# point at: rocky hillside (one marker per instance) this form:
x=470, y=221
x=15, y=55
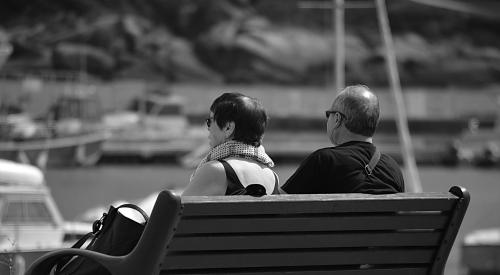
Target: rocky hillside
x=245, y=41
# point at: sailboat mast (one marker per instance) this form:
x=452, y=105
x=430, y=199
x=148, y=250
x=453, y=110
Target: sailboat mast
x=338, y=11
x=414, y=184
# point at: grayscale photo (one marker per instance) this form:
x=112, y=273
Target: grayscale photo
x=249, y=137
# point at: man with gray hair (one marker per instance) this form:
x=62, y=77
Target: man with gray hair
x=353, y=164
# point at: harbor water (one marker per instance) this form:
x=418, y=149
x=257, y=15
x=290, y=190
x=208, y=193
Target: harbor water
x=77, y=190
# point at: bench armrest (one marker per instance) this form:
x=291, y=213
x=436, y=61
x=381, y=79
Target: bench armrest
x=145, y=258
x=44, y=264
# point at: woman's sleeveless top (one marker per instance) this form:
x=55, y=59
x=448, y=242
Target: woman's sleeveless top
x=234, y=184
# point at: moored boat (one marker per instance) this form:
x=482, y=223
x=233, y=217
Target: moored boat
x=71, y=134
x=30, y=222
x=154, y=126
x=480, y=146
x=481, y=251
x=77, y=150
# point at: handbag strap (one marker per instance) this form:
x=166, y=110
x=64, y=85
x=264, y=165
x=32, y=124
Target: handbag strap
x=64, y=260
x=373, y=162
x=82, y=240
x=98, y=224
x=136, y=208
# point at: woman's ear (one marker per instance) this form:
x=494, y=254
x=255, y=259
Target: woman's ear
x=229, y=129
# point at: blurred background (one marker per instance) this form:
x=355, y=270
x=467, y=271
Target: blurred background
x=108, y=98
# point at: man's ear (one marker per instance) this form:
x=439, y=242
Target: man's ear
x=338, y=120
x=229, y=129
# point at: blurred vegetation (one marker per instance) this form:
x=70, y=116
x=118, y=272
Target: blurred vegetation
x=245, y=41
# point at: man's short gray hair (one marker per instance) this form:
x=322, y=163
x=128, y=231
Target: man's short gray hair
x=361, y=108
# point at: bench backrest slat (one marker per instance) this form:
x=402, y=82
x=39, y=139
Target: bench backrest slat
x=319, y=271
x=317, y=234
x=288, y=258
x=304, y=240
x=199, y=206
x=315, y=223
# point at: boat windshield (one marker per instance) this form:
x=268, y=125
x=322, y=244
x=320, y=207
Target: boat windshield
x=25, y=212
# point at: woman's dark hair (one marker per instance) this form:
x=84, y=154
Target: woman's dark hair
x=247, y=113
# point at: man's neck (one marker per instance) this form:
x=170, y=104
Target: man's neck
x=355, y=137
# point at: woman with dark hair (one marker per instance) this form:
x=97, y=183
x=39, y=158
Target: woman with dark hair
x=237, y=162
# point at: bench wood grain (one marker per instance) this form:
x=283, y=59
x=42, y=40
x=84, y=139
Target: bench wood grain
x=407, y=233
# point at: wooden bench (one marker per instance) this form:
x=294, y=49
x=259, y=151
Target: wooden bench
x=408, y=233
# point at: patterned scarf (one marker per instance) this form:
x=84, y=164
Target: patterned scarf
x=236, y=149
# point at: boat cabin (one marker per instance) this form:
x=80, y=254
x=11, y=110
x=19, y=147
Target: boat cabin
x=160, y=114
x=158, y=103
x=77, y=105
x=29, y=217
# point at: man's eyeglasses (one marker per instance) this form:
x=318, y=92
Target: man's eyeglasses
x=328, y=113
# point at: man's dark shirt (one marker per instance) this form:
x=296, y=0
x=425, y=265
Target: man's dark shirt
x=340, y=169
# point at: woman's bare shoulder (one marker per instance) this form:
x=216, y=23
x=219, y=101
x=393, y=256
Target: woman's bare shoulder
x=210, y=179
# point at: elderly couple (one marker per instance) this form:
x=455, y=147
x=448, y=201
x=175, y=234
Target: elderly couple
x=238, y=164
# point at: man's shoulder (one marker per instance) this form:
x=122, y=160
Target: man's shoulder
x=344, y=151
x=388, y=160
x=392, y=167
x=326, y=152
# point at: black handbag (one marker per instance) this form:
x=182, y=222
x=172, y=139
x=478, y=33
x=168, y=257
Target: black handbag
x=113, y=234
